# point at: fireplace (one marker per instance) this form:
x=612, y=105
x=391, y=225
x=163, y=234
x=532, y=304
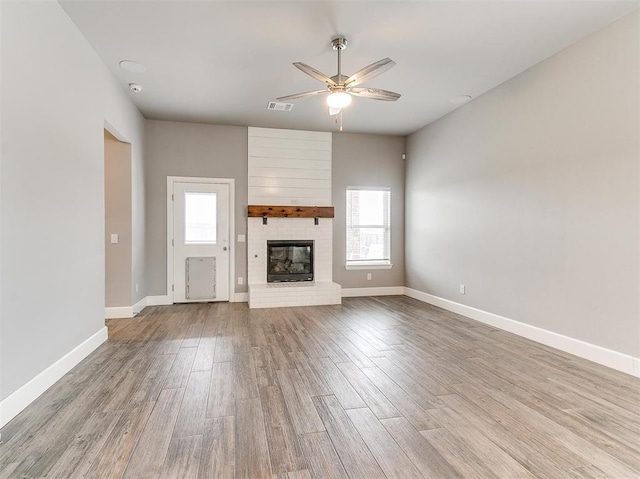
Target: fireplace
x=289, y=260
x=277, y=291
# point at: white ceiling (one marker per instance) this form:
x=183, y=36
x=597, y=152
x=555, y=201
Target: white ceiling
x=220, y=62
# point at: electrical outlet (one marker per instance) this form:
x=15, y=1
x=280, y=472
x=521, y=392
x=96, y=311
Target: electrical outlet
x=240, y=280
x=136, y=287
x=462, y=289
x=368, y=276
x=241, y=238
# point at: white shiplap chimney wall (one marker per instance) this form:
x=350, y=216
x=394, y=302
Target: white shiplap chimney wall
x=289, y=167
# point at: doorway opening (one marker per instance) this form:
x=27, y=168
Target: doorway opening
x=118, y=226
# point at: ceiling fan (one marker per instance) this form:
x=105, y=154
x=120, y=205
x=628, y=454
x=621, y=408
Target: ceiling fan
x=340, y=87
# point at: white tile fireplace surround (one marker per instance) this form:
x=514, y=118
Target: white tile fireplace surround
x=322, y=290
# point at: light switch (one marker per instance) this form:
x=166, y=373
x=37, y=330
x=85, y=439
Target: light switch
x=114, y=238
x=241, y=239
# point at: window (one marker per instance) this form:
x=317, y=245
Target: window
x=368, y=228
x=200, y=218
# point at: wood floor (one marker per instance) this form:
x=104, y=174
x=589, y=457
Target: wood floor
x=377, y=387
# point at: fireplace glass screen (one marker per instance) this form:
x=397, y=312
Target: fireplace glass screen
x=289, y=261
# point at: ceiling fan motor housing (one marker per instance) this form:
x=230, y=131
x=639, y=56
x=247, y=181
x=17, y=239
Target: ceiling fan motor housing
x=339, y=79
x=339, y=43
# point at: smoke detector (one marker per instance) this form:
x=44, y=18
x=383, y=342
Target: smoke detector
x=135, y=88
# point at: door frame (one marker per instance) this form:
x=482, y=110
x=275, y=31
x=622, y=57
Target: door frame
x=232, y=228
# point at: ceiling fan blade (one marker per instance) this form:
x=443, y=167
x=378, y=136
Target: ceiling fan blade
x=312, y=72
x=302, y=95
x=375, y=94
x=369, y=72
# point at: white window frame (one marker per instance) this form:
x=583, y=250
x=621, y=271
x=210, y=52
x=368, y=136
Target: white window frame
x=367, y=265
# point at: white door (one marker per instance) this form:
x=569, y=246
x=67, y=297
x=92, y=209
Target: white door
x=200, y=242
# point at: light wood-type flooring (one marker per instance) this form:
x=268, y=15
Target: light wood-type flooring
x=377, y=387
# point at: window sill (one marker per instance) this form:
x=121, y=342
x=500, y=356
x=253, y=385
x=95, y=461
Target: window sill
x=368, y=265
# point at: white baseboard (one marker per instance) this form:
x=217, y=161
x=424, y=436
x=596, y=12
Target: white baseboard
x=139, y=306
x=21, y=398
x=163, y=300
x=240, y=298
x=125, y=311
x=377, y=291
x=606, y=357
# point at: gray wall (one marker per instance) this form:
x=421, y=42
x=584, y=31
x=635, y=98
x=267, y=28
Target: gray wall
x=189, y=149
x=55, y=95
x=137, y=131
x=52, y=191
x=368, y=160
x=117, y=198
x=529, y=195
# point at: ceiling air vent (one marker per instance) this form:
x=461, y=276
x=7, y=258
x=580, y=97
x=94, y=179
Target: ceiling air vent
x=279, y=106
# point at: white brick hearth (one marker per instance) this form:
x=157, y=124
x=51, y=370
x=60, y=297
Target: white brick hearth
x=304, y=293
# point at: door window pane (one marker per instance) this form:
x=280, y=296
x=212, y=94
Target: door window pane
x=200, y=218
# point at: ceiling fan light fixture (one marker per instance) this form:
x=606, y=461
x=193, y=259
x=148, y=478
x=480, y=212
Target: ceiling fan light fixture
x=339, y=99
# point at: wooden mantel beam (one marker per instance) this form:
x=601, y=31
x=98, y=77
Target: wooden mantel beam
x=261, y=211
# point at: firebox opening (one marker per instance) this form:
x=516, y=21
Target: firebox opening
x=289, y=260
